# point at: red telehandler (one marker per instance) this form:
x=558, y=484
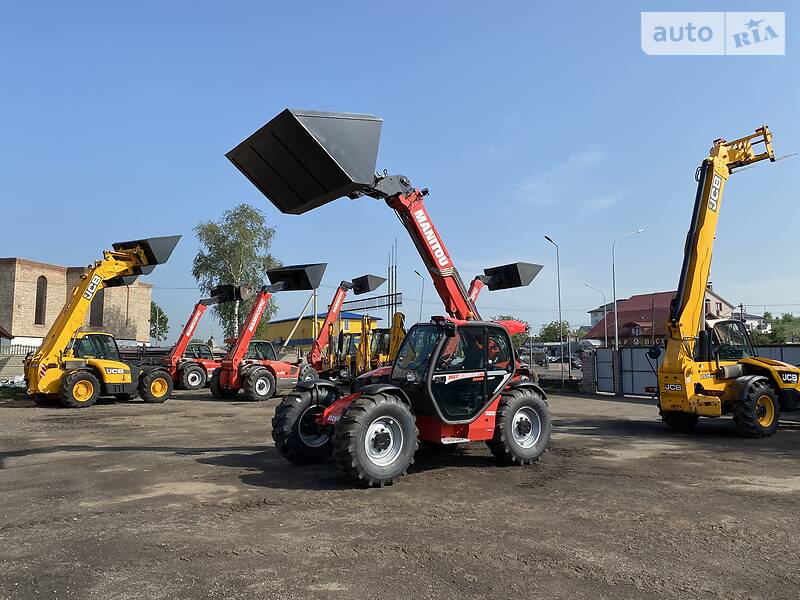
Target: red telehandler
x=359, y=285
x=259, y=373
x=192, y=373
x=454, y=378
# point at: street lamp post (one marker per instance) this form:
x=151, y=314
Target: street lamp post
x=605, y=312
x=422, y=294
x=614, y=281
x=560, y=320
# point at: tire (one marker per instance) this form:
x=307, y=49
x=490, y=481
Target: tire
x=79, y=389
x=375, y=440
x=155, y=387
x=522, y=428
x=217, y=390
x=259, y=384
x=193, y=377
x=757, y=412
x=308, y=372
x=294, y=432
x=678, y=421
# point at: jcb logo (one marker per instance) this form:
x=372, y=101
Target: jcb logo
x=92, y=287
x=713, y=199
x=114, y=371
x=673, y=387
x=789, y=378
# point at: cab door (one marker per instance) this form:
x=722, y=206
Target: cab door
x=459, y=378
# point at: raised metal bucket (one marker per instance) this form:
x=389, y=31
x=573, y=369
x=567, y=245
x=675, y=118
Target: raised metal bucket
x=367, y=283
x=303, y=159
x=157, y=251
x=230, y=293
x=298, y=277
x=513, y=275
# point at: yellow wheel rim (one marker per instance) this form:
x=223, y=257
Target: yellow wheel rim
x=82, y=391
x=158, y=387
x=765, y=410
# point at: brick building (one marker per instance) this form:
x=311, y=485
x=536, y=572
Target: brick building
x=33, y=293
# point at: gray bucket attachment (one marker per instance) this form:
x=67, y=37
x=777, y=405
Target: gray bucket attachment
x=156, y=249
x=298, y=277
x=367, y=283
x=229, y=293
x=515, y=275
x=303, y=159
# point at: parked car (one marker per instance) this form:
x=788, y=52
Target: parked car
x=575, y=363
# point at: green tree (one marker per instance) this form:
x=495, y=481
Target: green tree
x=159, y=322
x=551, y=332
x=518, y=338
x=235, y=250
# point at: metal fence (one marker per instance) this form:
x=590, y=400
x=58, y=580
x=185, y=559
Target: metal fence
x=17, y=350
x=638, y=372
x=604, y=367
x=787, y=354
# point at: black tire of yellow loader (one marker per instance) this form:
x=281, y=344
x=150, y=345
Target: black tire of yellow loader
x=757, y=412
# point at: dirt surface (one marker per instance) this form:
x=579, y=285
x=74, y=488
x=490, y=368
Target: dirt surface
x=190, y=500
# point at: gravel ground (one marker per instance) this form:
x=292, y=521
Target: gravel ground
x=189, y=499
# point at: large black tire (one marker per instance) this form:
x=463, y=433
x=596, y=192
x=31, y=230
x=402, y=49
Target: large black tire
x=757, y=412
x=678, y=421
x=522, y=427
x=155, y=387
x=259, y=384
x=297, y=437
x=193, y=377
x=79, y=389
x=375, y=440
x=307, y=373
x=217, y=390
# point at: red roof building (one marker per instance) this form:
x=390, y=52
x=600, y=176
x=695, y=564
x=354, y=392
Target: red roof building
x=643, y=318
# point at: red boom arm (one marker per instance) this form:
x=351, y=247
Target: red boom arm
x=315, y=356
x=236, y=354
x=186, y=335
x=414, y=216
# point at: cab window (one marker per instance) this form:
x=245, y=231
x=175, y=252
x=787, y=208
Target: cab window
x=97, y=346
x=731, y=342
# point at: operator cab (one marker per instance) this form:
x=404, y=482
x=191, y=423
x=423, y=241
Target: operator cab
x=453, y=371
x=95, y=345
x=199, y=351
x=724, y=340
x=261, y=350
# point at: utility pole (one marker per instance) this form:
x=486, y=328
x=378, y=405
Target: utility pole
x=560, y=320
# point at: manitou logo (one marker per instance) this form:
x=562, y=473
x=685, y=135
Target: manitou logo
x=256, y=315
x=192, y=325
x=713, y=199
x=430, y=236
x=92, y=288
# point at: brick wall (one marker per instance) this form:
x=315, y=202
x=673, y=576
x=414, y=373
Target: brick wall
x=126, y=310
x=589, y=382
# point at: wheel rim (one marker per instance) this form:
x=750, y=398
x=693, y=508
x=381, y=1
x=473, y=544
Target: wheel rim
x=526, y=427
x=765, y=411
x=308, y=376
x=384, y=441
x=158, y=387
x=82, y=391
x=262, y=386
x=308, y=430
x=193, y=379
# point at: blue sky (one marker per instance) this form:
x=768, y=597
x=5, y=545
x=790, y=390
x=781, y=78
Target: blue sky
x=523, y=119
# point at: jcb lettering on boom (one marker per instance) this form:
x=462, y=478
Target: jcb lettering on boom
x=713, y=199
x=92, y=287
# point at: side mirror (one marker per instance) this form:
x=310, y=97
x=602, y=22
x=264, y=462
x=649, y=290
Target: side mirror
x=654, y=352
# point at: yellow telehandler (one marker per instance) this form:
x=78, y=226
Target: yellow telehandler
x=77, y=365
x=710, y=367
